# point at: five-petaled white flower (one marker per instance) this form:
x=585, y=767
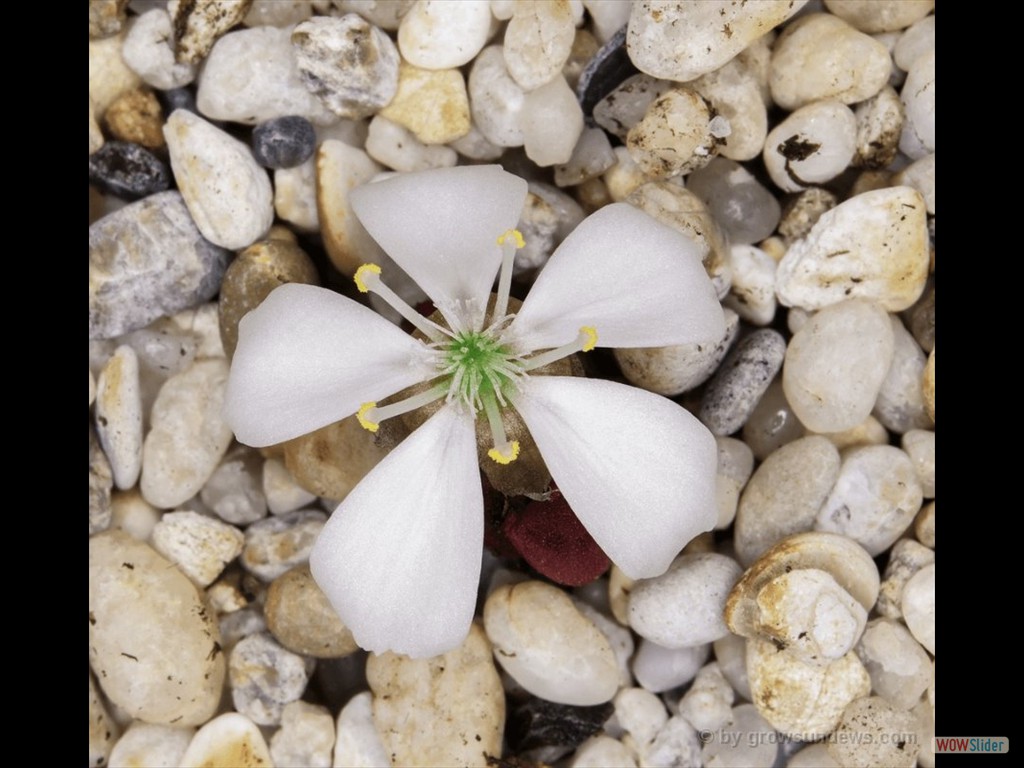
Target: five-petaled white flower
x=400, y=557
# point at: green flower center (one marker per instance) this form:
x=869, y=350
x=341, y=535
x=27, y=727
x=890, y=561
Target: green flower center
x=479, y=369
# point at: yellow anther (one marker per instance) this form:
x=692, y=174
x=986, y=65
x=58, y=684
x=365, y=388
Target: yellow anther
x=364, y=409
x=501, y=458
x=591, y=341
x=512, y=233
x=361, y=274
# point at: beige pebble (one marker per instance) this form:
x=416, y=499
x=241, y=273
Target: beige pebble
x=874, y=732
x=623, y=177
x=147, y=744
x=332, y=460
x=283, y=494
x=200, y=546
x=300, y=617
x=109, y=75
x=295, y=196
x=131, y=513
x=230, y=739
x=199, y=23
x=119, y=416
x=305, y=738
x=358, y=745
x=441, y=35
x=447, y=710
x=276, y=544
x=734, y=92
x=880, y=15
x=495, y=99
x=752, y=295
x=906, y=558
x=674, y=137
x=136, y=116
x=928, y=385
x=918, y=95
x=103, y=730
x=800, y=213
x=879, y=125
x=920, y=175
x=619, y=587
x=433, y=104
x=924, y=525
x=592, y=156
x=735, y=464
x=552, y=123
x=868, y=432
x=106, y=17
x=918, y=606
x=900, y=670
x=95, y=143
x=538, y=40
x=395, y=147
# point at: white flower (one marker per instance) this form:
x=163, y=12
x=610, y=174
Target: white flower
x=400, y=557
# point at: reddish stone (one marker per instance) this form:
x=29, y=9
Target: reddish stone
x=553, y=541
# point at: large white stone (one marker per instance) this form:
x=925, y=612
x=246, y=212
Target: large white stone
x=435, y=34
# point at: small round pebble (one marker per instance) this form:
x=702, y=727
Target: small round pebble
x=357, y=737
x=660, y=669
x=900, y=404
x=234, y=491
x=552, y=123
x=148, y=744
x=772, y=423
x=136, y=116
x=149, y=50
x=740, y=381
x=900, y=669
x=924, y=525
x=495, y=99
x=674, y=137
x=538, y=40
x=906, y=558
x=880, y=15
x=119, y=415
x=332, y=460
x=801, y=212
x=229, y=739
x=276, y=544
x=752, y=294
x=814, y=144
x=300, y=617
x=200, y=546
x=707, y=704
x=432, y=103
x=735, y=463
x=127, y=170
x=918, y=95
x=283, y=142
x=264, y=677
x=305, y=738
x=918, y=606
x=736, y=92
x=396, y=147
x=745, y=209
x=440, y=35
x=879, y=124
x=283, y=494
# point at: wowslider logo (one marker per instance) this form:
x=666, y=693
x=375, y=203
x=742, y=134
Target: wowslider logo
x=972, y=744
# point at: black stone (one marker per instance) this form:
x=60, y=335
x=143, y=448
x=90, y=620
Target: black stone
x=178, y=98
x=541, y=723
x=604, y=73
x=283, y=142
x=128, y=170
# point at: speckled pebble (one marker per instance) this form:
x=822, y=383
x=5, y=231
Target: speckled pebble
x=283, y=142
x=702, y=583
x=275, y=545
x=740, y=381
x=136, y=116
x=228, y=195
x=708, y=703
x=142, y=744
x=536, y=630
x=674, y=137
x=432, y=103
x=229, y=739
x=918, y=606
x=627, y=103
x=784, y=495
x=677, y=743
x=875, y=497
x=918, y=95
x=347, y=63
x=874, y=732
x=119, y=416
x=879, y=124
x=264, y=677
x=305, y=738
x=149, y=50
x=673, y=370
x=301, y=618
x=106, y=17
x=188, y=434
x=447, y=710
x=358, y=744
x=801, y=212
x=199, y=23
x=200, y=546
x=128, y=171
x=153, y=643
x=737, y=93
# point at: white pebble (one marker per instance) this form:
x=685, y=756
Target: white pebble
x=906, y=558
x=305, y=738
x=880, y=15
x=820, y=56
x=735, y=92
x=677, y=743
x=920, y=175
x=701, y=583
x=619, y=638
x=917, y=39
x=233, y=491
x=751, y=741
x=131, y=513
x=476, y=146
x=149, y=50
x=251, y=76
x=538, y=40
x=920, y=447
x=607, y=18
x=918, y=606
x=674, y=136
x=592, y=156
x=442, y=35
x=900, y=669
x=552, y=123
x=875, y=498
x=641, y=714
x=900, y=403
x=627, y=103
x=747, y=211
x=386, y=14
x=295, y=196
x=160, y=746
x=660, y=669
x=358, y=745
x=918, y=96
x=752, y=294
x=602, y=751
x=201, y=546
x=109, y=75
x=735, y=463
x=227, y=193
x=265, y=676
x=229, y=739
x=283, y=494
x=812, y=145
x=495, y=99
x=707, y=704
x=394, y=146
x=119, y=416
x=277, y=13
x=542, y=640
x=731, y=656
x=835, y=365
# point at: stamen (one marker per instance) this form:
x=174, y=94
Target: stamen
x=510, y=241
x=503, y=452
x=370, y=416
x=367, y=279
x=584, y=342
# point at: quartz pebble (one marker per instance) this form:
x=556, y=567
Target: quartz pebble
x=283, y=142
x=552, y=123
x=731, y=657
x=784, y=495
x=475, y=146
x=737, y=95
x=394, y=146
x=358, y=744
x=276, y=544
x=536, y=630
x=153, y=644
x=804, y=701
x=918, y=606
x=607, y=18
x=743, y=377
x=234, y=491
x=148, y=744
x=305, y=738
x=701, y=582
x=264, y=677
x=814, y=144
x=874, y=732
x=900, y=670
x=918, y=95
x=751, y=741
x=119, y=416
x=627, y=103
x=752, y=294
x=917, y=39
x=277, y=13
x=673, y=370
x=332, y=460
x=147, y=260
x=618, y=637
x=283, y=494
x=347, y=63
x=772, y=423
x=746, y=210
x=602, y=751
x=295, y=196
x=128, y=171
x=432, y=103
x=906, y=558
x=920, y=318
x=200, y=546
x=879, y=124
x=496, y=101
x=820, y=56
x=920, y=175
x=386, y=14
x=438, y=35
x=240, y=624
x=674, y=137
x=875, y=497
x=301, y=618
x=448, y=710
x=900, y=403
x=103, y=730
x=538, y=40
x=735, y=463
x=229, y=739
x=199, y=23
x=188, y=434
x=109, y=75
x=677, y=743
x=682, y=41
x=707, y=704
x=880, y=16
x=227, y=193
x=640, y=714
x=924, y=525
x=100, y=482
x=835, y=365
x=131, y=513
x=592, y=156
x=252, y=75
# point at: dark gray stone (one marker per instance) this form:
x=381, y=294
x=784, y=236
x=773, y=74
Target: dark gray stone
x=737, y=387
x=283, y=142
x=128, y=170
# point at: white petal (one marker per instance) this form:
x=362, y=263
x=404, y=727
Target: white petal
x=442, y=226
x=307, y=357
x=637, y=281
x=637, y=469
x=400, y=558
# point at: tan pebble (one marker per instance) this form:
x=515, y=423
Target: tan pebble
x=593, y=194
x=802, y=212
x=619, y=587
x=906, y=558
x=106, y=18
x=433, y=104
x=446, y=710
x=109, y=76
x=538, y=41
x=136, y=116
x=131, y=513
x=924, y=525
x=200, y=546
x=339, y=169
x=199, y=23
x=870, y=180
x=584, y=46
x=332, y=460
x=147, y=744
x=674, y=136
x=295, y=196
x=300, y=617
x=868, y=432
x=879, y=124
x=228, y=740
x=623, y=177
x=928, y=385
x=733, y=91
x=119, y=415
x=880, y=15
x=103, y=730
x=95, y=142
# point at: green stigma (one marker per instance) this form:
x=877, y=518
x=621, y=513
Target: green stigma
x=479, y=368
